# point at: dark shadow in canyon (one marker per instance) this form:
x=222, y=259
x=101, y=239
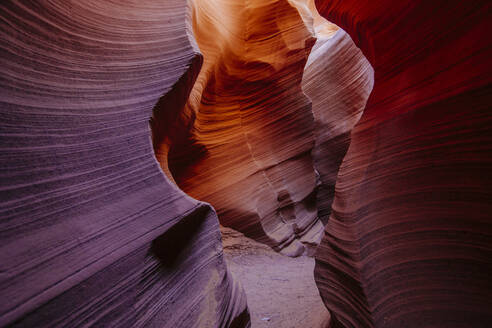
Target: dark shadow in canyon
x=170, y=246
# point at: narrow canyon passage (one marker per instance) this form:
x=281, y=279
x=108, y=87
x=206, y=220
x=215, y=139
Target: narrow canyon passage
x=280, y=290
x=245, y=163
x=261, y=138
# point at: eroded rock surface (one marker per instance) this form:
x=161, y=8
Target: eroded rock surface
x=92, y=232
x=338, y=79
x=248, y=127
x=409, y=240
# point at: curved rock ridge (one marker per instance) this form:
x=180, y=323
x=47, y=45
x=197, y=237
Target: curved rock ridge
x=409, y=239
x=314, y=22
x=338, y=79
x=247, y=149
x=92, y=233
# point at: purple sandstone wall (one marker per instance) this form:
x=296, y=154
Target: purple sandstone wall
x=91, y=230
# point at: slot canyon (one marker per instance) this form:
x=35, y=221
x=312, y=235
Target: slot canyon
x=246, y=163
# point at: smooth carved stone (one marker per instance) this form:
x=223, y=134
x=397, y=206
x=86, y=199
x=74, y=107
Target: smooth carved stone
x=409, y=240
x=91, y=231
x=338, y=79
x=243, y=142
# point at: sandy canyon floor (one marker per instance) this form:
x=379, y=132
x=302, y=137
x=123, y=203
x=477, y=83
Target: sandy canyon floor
x=281, y=290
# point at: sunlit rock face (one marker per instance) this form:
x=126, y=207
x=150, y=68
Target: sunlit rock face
x=243, y=142
x=92, y=232
x=409, y=240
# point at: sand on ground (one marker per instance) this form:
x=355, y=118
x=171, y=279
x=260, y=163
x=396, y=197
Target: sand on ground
x=281, y=291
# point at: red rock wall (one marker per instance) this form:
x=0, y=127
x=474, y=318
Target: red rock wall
x=409, y=240
x=92, y=232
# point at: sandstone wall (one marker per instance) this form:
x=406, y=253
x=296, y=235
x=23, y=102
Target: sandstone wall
x=92, y=232
x=409, y=240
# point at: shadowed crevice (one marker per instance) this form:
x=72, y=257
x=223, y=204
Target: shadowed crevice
x=171, y=246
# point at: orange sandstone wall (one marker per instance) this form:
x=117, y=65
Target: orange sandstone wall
x=247, y=149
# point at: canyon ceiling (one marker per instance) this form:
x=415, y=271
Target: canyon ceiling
x=131, y=129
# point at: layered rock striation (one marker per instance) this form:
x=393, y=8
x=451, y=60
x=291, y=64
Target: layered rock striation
x=409, y=239
x=92, y=232
x=338, y=79
x=243, y=141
